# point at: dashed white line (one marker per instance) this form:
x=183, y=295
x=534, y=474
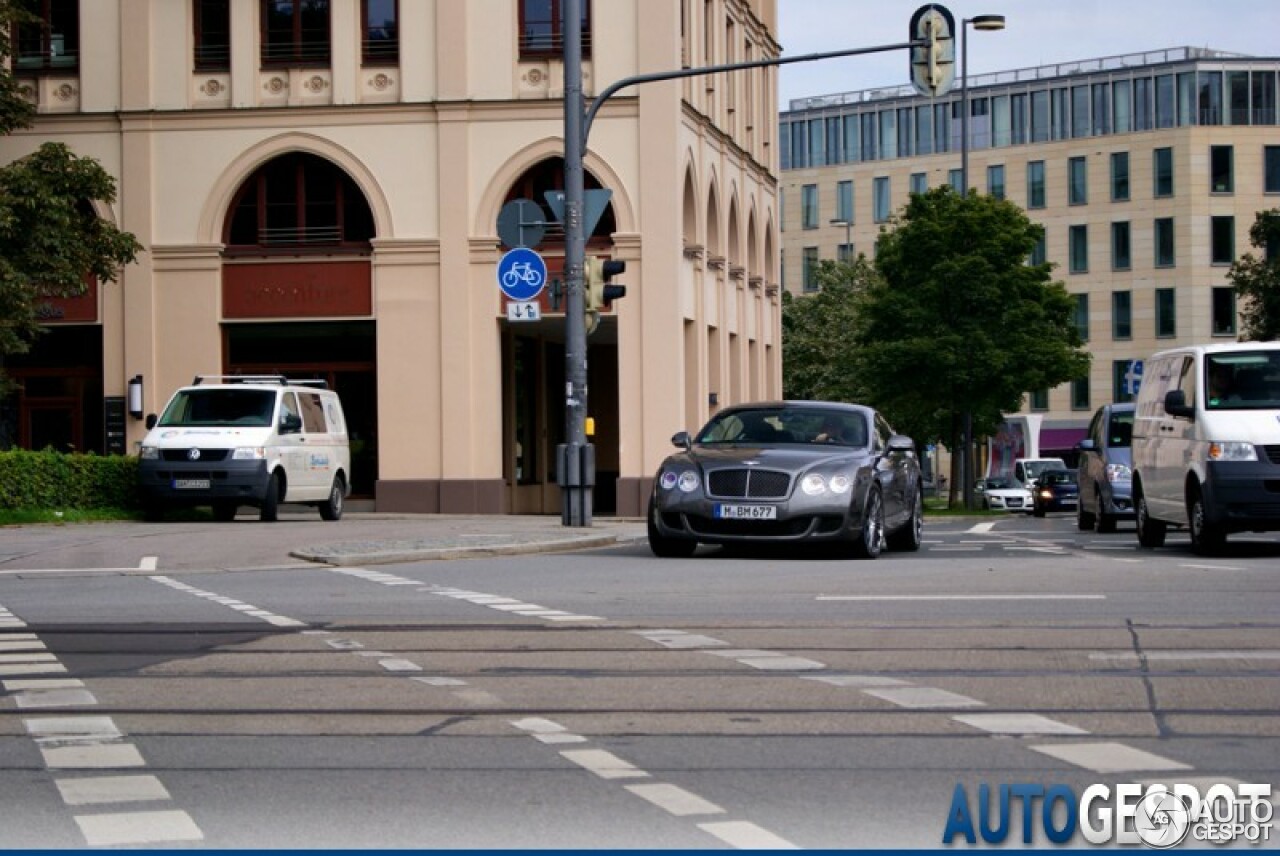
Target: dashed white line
x=859, y=681
x=92, y=756
x=910, y=597
x=41, y=684
x=1109, y=757
x=979, y=528
x=1017, y=723
x=32, y=669
x=746, y=836
x=674, y=799
x=923, y=697
x=604, y=764
x=244, y=608
x=111, y=789
x=72, y=728
x=11, y=644
x=54, y=698
x=148, y=563
x=144, y=827
x=1211, y=567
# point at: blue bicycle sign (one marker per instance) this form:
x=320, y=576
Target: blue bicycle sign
x=522, y=274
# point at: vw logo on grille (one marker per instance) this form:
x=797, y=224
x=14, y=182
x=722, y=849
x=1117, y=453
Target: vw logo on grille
x=193, y=455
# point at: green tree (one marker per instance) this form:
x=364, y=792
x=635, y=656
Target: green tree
x=50, y=238
x=958, y=321
x=1258, y=280
x=818, y=357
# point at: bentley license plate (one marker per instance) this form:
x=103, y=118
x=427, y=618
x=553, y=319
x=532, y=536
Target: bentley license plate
x=190, y=484
x=747, y=512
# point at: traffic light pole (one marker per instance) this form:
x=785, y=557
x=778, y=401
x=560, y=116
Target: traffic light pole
x=575, y=458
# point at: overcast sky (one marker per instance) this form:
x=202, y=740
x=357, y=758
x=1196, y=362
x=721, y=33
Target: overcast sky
x=1037, y=32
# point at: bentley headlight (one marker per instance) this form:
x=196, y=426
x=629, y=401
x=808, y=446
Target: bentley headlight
x=149, y=453
x=249, y=453
x=841, y=484
x=813, y=484
x=668, y=480
x=1232, y=452
x=688, y=481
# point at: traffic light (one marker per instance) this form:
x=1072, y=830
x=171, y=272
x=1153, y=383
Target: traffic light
x=933, y=65
x=601, y=292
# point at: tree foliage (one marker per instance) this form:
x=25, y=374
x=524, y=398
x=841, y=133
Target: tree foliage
x=958, y=320
x=818, y=356
x=50, y=237
x=1257, y=280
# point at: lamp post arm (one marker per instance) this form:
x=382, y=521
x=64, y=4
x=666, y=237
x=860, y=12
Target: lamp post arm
x=617, y=85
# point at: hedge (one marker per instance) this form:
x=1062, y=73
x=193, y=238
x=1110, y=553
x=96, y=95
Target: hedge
x=54, y=480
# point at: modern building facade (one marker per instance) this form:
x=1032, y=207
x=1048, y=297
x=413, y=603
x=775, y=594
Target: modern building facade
x=1146, y=170
x=317, y=186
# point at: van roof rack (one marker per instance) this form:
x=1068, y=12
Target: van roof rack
x=274, y=378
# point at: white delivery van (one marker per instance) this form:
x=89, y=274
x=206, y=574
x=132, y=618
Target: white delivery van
x=1027, y=470
x=227, y=441
x=1206, y=443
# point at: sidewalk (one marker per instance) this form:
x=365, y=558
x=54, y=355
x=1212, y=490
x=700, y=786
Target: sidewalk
x=390, y=538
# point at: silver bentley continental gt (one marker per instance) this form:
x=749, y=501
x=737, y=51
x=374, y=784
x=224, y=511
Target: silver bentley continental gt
x=789, y=472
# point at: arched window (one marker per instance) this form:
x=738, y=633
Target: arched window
x=549, y=175
x=299, y=202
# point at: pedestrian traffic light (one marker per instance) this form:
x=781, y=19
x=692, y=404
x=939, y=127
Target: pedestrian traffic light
x=601, y=292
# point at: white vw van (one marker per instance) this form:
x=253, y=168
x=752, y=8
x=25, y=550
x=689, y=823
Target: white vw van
x=227, y=441
x=1206, y=443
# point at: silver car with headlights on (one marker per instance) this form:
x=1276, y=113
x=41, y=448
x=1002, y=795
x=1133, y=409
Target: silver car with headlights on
x=789, y=472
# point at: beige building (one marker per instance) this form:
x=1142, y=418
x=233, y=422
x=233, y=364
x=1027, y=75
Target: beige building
x=1146, y=171
x=317, y=186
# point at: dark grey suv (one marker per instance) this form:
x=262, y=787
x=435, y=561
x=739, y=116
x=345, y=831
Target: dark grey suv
x=1106, y=469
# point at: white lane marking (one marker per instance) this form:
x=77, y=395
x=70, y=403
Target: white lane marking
x=953, y=548
x=1017, y=723
x=859, y=681
x=1212, y=567
x=908, y=597
x=92, y=756
x=32, y=669
x=41, y=684
x=538, y=725
x=55, y=698
x=141, y=827
x=29, y=657
x=148, y=563
x=1109, y=757
x=8, y=644
x=1127, y=548
x=480, y=698
x=111, y=789
x=441, y=682
x=559, y=738
x=243, y=608
x=25, y=637
x=679, y=639
x=736, y=653
x=344, y=644
x=604, y=764
x=371, y=653
x=674, y=800
x=397, y=665
x=745, y=835
x=982, y=528
x=923, y=697
x=782, y=663
x=575, y=618
x=1186, y=655
x=512, y=607
x=72, y=728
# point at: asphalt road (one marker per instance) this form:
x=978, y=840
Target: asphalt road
x=608, y=699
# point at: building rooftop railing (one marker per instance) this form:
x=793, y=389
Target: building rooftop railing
x=1022, y=75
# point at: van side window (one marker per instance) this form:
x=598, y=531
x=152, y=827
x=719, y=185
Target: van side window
x=312, y=412
x=335, y=418
x=288, y=408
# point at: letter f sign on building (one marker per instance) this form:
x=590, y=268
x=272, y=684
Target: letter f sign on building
x=933, y=66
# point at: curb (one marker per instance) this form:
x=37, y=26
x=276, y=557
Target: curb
x=335, y=556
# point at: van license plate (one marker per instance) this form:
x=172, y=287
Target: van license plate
x=190, y=484
x=747, y=512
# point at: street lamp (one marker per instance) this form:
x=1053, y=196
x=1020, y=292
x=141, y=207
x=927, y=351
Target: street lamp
x=848, y=235
x=979, y=22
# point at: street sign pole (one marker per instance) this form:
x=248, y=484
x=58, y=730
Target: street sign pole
x=575, y=458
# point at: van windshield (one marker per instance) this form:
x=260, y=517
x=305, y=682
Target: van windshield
x=219, y=408
x=1243, y=380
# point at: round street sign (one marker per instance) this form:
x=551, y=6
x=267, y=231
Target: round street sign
x=522, y=274
x=521, y=224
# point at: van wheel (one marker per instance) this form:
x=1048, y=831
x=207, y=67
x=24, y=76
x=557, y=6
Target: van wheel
x=1207, y=539
x=1150, y=532
x=331, y=508
x=270, y=511
x=224, y=511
